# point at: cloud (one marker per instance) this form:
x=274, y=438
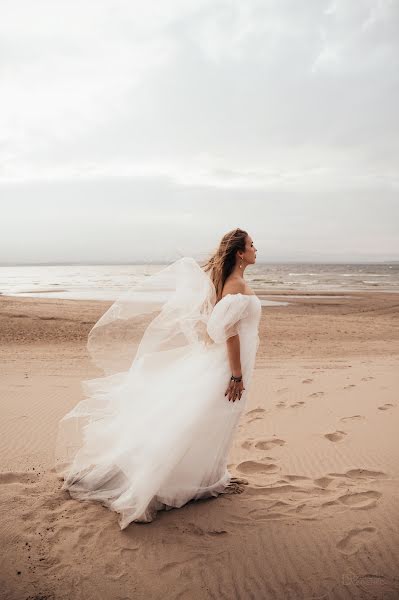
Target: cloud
x=161, y=83
x=201, y=100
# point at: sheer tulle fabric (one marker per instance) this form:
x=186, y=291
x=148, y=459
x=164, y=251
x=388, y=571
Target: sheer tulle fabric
x=154, y=431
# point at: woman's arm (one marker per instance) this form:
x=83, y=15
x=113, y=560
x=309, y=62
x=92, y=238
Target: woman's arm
x=235, y=388
x=233, y=350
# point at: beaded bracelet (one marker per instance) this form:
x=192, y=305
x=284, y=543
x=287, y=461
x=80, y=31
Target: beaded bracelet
x=239, y=378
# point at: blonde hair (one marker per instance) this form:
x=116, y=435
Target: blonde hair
x=222, y=262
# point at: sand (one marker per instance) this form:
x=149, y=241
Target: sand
x=317, y=443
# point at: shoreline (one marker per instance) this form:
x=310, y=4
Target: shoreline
x=364, y=324
x=51, y=294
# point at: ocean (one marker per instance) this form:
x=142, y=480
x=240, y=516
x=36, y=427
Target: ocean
x=106, y=282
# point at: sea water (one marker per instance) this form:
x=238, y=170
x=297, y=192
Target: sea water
x=106, y=282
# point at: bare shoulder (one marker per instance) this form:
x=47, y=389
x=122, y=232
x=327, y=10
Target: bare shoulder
x=234, y=286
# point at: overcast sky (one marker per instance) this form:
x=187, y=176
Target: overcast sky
x=146, y=130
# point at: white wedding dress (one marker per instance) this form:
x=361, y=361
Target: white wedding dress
x=155, y=431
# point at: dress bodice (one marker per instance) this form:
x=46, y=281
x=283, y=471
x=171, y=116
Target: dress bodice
x=237, y=314
x=234, y=313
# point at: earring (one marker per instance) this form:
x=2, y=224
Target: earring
x=241, y=265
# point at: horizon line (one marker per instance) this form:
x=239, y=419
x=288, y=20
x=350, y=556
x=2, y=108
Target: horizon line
x=152, y=262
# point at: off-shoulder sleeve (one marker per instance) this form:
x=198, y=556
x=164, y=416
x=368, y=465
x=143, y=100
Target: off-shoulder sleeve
x=223, y=321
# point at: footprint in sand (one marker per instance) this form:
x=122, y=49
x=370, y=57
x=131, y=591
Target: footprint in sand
x=281, y=405
x=353, y=418
x=296, y=477
x=282, y=390
x=307, y=380
x=386, y=406
x=266, y=515
x=361, y=500
x=351, y=385
x=246, y=445
x=270, y=509
x=365, y=474
x=253, y=467
x=16, y=477
x=366, y=378
x=316, y=395
x=337, y=436
x=296, y=404
x=355, y=539
x=256, y=414
x=355, y=474
x=323, y=482
x=256, y=411
x=249, y=443
x=268, y=444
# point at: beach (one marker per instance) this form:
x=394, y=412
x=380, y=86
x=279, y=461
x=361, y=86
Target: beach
x=319, y=517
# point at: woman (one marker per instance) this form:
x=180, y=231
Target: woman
x=178, y=352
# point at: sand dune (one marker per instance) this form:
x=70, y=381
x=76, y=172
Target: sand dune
x=318, y=518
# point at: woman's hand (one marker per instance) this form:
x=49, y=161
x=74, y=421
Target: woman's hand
x=235, y=390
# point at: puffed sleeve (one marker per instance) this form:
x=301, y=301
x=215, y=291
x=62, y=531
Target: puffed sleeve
x=226, y=314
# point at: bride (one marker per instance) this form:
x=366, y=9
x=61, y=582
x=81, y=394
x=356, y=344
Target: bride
x=178, y=353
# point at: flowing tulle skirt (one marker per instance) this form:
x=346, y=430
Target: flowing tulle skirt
x=153, y=437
